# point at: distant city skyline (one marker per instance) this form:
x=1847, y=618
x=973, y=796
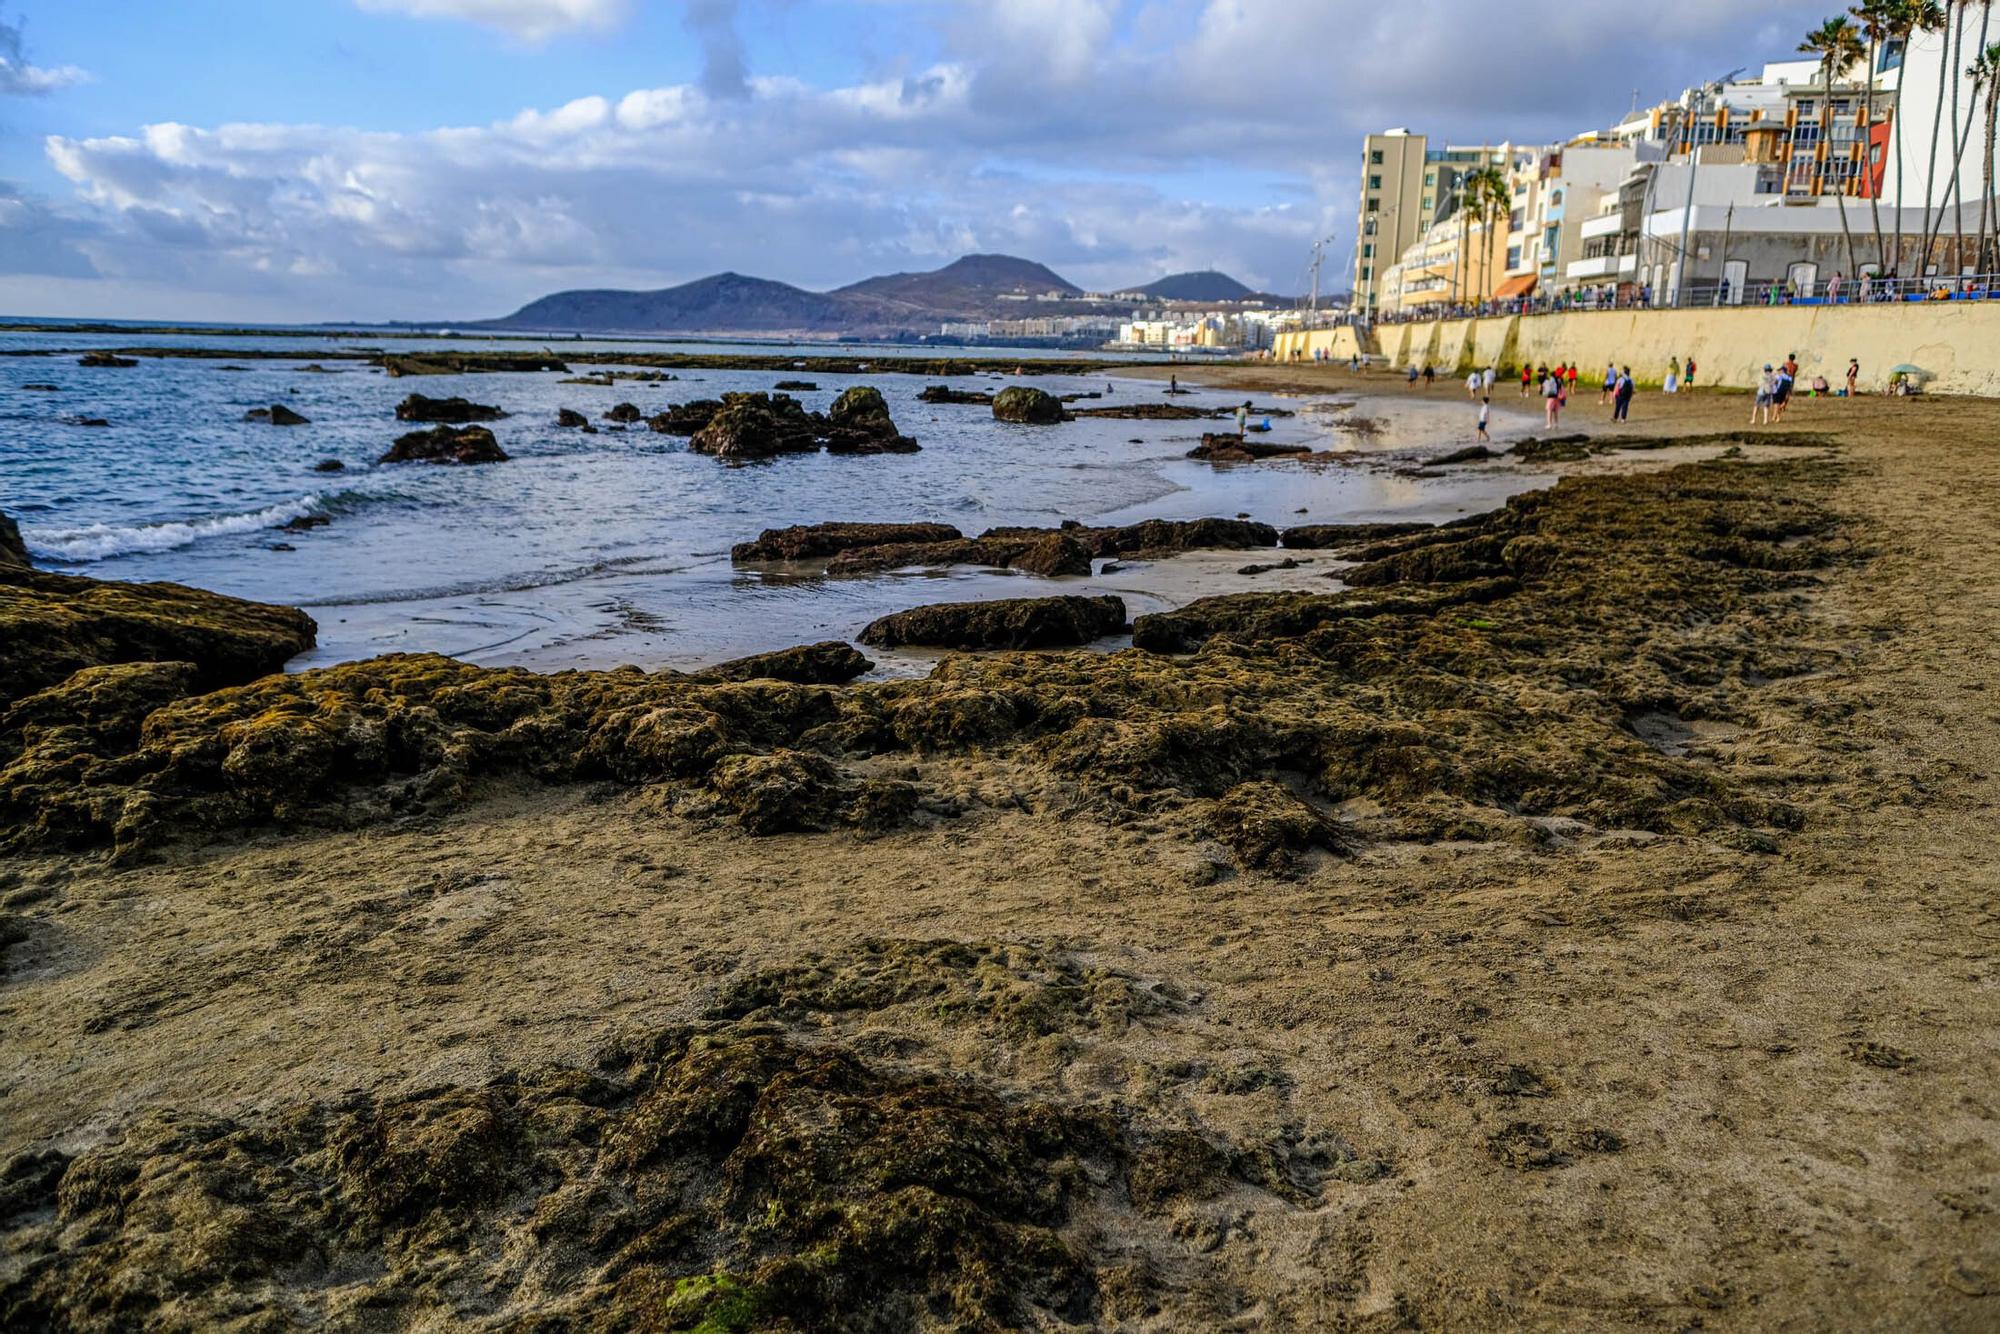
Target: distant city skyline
x=440, y=159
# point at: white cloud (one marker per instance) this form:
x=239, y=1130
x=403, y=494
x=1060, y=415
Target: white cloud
x=527, y=20
x=1115, y=142
x=20, y=79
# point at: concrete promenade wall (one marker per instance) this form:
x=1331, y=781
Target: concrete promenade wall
x=1957, y=342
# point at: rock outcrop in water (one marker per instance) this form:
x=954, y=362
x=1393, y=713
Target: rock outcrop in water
x=944, y=393
x=859, y=423
x=103, y=360
x=1022, y=403
x=14, y=551
x=1228, y=447
x=756, y=426
x=446, y=444
x=571, y=419
x=817, y=540
x=1456, y=701
x=624, y=414
x=466, y=363
x=276, y=415
x=685, y=418
x=451, y=411
x=1337, y=536
x=1010, y=623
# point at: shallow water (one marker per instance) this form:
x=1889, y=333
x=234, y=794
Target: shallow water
x=593, y=550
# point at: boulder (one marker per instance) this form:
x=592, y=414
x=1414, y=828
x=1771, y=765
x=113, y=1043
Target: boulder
x=105, y=359
x=859, y=423
x=1053, y=556
x=757, y=426
x=685, y=418
x=329, y=465
x=453, y=411
x=944, y=393
x=276, y=415
x=825, y=664
x=13, y=551
x=1011, y=623
x=817, y=540
x=1022, y=403
x=571, y=418
x=54, y=624
x=625, y=414
x=446, y=444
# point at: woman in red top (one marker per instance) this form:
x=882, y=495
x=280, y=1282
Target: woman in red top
x=1572, y=380
x=1527, y=378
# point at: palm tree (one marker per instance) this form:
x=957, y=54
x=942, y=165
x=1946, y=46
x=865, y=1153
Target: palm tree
x=1962, y=138
x=1911, y=17
x=1985, y=74
x=1876, y=18
x=1486, y=200
x=1838, y=45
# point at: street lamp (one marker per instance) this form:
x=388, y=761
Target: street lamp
x=1694, y=164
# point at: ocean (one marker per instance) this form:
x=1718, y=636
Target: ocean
x=598, y=550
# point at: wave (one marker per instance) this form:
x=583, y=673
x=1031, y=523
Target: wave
x=512, y=583
x=104, y=541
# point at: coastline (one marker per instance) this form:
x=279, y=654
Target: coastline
x=1415, y=962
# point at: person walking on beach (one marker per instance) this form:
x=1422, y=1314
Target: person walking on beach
x=1672, y=384
x=1687, y=377
x=1472, y=384
x=1551, y=399
x=1853, y=376
x=1527, y=379
x=1781, y=389
x=1569, y=386
x=1486, y=382
x=1767, y=384
x=1412, y=379
x=1621, y=398
x=1485, y=414
x=1430, y=375
x=1610, y=382
x=1242, y=418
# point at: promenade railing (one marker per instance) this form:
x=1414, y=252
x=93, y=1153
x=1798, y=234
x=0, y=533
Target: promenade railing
x=1863, y=291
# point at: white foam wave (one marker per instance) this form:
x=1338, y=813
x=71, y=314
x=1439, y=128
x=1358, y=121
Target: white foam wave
x=102, y=541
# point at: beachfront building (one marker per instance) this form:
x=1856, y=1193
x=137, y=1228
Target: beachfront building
x=1406, y=187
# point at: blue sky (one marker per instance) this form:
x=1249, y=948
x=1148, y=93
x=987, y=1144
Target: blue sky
x=375, y=159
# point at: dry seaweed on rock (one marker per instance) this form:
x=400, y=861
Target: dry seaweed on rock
x=1006, y=623
x=724, y=1175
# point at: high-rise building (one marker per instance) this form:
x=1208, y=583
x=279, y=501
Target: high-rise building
x=1406, y=186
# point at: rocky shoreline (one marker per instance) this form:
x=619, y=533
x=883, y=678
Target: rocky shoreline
x=1407, y=949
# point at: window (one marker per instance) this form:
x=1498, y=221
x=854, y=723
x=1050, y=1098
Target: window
x=1368, y=252
x=1375, y=158
x=1428, y=201
x=1514, y=221
x=1373, y=203
x=1368, y=227
x=1513, y=257
x=1367, y=272
x=1374, y=182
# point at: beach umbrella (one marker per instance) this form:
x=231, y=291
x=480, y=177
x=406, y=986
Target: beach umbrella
x=1907, y=369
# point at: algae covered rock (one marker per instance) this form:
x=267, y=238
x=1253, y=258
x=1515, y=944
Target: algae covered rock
x=277, y=415
x=14, y=551
x=812, y=541
x=446, y=444
x=453, y=411
x=859, y=423
x=685, y=418
x=54, y=624
x=1025, y=404
x=829, y=663
x=756, y=426
x=102, y=360
x=625, y=414
x=944, y=393
x=1267, y=827
x=1053, y=556
x=571, y=419
x=1013, y=623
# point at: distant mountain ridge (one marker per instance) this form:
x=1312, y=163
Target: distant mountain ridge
x=972, y=288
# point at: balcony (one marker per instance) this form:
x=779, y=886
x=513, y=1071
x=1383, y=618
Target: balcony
x=1603, y=266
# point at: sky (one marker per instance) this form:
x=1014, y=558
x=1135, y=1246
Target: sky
x=313, y=160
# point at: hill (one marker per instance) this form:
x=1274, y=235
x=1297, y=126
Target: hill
x=1207, y=285
x=969, y=287
x=724, y=303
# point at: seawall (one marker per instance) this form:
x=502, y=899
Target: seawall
x=1956, y=343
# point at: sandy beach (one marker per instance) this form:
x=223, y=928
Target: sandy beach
x=1585, y=922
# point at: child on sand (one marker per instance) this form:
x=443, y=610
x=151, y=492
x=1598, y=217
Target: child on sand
x=1485, y=413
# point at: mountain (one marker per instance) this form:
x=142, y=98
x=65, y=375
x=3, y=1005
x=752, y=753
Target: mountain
x=969, y=287
x=1207, y=285
x=724, y=303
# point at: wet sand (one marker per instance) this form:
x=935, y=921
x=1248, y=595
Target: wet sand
x=1555, y=1074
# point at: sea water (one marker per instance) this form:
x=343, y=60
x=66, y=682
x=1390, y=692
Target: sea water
x=596, y=550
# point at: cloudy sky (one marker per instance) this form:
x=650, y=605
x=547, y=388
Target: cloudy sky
x=299, y=160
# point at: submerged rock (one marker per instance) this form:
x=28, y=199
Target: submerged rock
x=944, y=393
x=453, y=411
x=106, y=360
x=276, y=415
x=1012, y=623
x=41, y=389
x=756, y=426
x=329, y=465
x=446, y=444
x=859, y=423
x=812, y=541
x=1025, y=404
x=54, y=624
x=685, y=418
